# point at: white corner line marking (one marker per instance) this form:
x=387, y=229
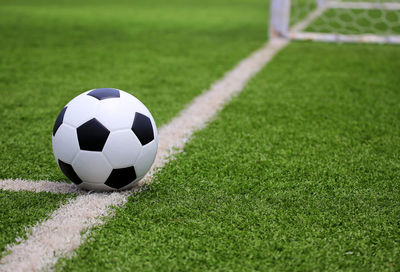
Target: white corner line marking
x=60, y=235
x=38, y=186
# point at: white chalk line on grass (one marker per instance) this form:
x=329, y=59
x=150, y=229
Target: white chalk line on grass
x=38, y=186
x=60, y=235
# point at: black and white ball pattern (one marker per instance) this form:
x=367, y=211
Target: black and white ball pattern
x=105, y=139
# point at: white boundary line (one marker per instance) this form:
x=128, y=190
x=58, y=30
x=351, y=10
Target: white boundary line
x=38, y=186
x=60, y=235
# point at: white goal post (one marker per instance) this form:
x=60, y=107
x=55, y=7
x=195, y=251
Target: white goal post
x=362, y=21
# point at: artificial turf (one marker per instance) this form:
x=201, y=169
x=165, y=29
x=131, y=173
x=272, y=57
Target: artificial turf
x=163, y=52
x=299, y=173
x=19, y=210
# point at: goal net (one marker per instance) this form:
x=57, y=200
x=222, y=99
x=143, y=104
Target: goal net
x=376, y=21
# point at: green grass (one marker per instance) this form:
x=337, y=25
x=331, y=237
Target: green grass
x=163, y=52
x=19, y=210
x=300, y=172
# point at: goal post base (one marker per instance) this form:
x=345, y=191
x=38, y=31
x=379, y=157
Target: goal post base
x=340, y=38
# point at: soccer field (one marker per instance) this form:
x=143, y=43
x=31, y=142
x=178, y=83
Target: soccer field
x=298, y=172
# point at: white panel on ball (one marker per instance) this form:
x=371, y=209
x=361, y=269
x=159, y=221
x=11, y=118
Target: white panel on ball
x=80, y=110
x=116, y=113
x=92, y=167
x=139, y=106
x=65, y=143
x=146, y=158
x=122, y=148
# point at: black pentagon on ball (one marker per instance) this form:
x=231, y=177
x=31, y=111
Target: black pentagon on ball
x=142, y=128
x=59, y=121
x=121, y=177
x=92, y=135
x=69, y=172
x=104, y=93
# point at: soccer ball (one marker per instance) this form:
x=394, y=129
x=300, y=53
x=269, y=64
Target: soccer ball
x=104, y=140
